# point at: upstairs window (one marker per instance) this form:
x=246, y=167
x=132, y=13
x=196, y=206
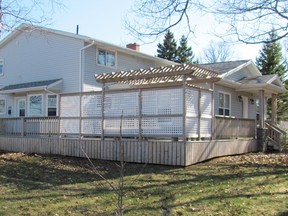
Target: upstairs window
x=224, y=104
x=107, y=58
x=1, y=67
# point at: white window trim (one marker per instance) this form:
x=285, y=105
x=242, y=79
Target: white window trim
x=57, y=103
x=3, y=68
x=225, y=93
x=28, y=104
x=106, y=50
x=5, y=107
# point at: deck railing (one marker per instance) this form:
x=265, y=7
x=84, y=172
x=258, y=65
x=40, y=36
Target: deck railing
x=30, y=126
x=225, y=127
x=276, y=135
x=229, y=127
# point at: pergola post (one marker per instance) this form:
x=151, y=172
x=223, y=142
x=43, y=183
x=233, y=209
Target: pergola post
x=103, y=111
x=184, y=109
x=274, y=109
x=261, y=132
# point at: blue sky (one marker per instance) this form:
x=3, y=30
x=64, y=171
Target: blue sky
x=104, y=20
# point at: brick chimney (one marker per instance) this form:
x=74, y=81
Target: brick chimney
x=133, y=46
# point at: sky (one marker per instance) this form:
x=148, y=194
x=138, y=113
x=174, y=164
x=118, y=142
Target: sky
x=104, y=20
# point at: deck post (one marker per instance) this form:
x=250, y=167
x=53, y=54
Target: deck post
x=103, y=111
x=140, y=113
x=199, y=114
x=184, y=121
x=261, y=132
x=274, y=109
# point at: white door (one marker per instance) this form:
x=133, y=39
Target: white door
x=21, y=107
x=245, y=107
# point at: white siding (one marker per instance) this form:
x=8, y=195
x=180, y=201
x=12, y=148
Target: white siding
x=236, y=105
x=40, y=56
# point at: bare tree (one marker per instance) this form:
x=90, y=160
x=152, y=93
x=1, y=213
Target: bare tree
x=217, y=52
x=14, y=12
x=250, y=21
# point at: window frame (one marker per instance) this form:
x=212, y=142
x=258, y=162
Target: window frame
x=28, y=105
x=223, y=107
x=107, y=51
x=5, y=105
x=47, y=104
x=3, y=67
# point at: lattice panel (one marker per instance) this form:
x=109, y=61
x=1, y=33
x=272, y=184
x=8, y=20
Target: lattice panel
x=162, y=102
x=70, y=106
x=192, y=127
x=205, y=127
x=69, y=126
x=192, y=103
x=162, y=126
x=130, y=126
x=126, y=101
x=91, y=105
x=206, y=103
x=91, y=126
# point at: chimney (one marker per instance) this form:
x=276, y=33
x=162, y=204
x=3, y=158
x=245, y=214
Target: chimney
x=133, y=46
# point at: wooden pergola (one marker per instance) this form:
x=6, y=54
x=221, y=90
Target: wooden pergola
x=165, y=74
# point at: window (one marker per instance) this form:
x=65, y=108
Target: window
x=35, y=105
x=52, y=105
x=2, y=105
x=106, y=58
x=1, y=67
x=224, y=104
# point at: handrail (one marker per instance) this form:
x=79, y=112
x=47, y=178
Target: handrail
x=275, y=127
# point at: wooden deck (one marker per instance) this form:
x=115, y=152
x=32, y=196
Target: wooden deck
x=152, y=152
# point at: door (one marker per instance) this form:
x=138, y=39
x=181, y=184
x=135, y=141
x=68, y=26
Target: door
x=21, y=107
x=245, y=107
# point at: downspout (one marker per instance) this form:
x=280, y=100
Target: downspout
x=81, y=85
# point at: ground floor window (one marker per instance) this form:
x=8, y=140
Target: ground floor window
x=52, y=105
x=2, y=105
x=224, y=104
x=35, y=105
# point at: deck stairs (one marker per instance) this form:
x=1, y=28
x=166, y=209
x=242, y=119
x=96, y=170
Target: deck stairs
x=276, y=138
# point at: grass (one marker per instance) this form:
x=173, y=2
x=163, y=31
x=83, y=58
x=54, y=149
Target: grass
x=251, y=184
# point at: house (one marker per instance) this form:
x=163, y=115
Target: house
x=74, y=95
x=37, y=64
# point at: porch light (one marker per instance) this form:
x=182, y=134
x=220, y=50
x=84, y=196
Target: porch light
x=240, y=98
x=252, y=100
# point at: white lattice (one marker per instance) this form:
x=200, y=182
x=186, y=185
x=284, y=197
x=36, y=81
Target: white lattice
x=130, y=126
x=205, y=127
x=69, y=126
x=206, y=103
x=192, y=127
x=91, y=126
x=162, y=102
x=192, y=102
x=91, y=105
x=70, y=106
x=126, y=101
x=162, y=126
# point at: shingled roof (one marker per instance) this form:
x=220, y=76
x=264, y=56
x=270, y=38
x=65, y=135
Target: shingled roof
x=223, y=67
x=36, y=84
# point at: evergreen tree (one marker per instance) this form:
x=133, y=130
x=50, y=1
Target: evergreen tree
x=270, y=61
x=168, y=50
x=184, y=53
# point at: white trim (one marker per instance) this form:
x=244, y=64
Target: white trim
x=57, y=104
x=16, y=109
x=28, y=103
x=245, y=105
x=5, y=105
x=230, y=98
x=106, y=51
